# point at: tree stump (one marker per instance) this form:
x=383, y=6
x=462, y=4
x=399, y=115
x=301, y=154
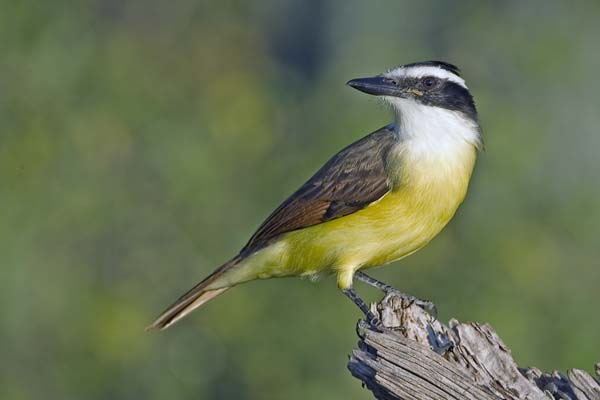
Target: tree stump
x=415, y=357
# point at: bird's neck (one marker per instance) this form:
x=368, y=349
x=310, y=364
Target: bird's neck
x=436, y=147
x=435, y=129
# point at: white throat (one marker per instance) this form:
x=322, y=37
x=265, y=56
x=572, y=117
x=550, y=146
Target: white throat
x=433, y=129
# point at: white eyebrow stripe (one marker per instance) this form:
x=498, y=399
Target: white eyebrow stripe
x=421, y=71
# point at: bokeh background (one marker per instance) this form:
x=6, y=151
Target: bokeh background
x=142, y=142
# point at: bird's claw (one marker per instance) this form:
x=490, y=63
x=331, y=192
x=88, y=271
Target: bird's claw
x=428, y=306
x=374, y=322
x=440, y=342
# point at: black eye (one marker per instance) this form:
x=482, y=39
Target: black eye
x=429, y=81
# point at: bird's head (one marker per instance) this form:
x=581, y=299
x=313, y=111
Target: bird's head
x=430, y=83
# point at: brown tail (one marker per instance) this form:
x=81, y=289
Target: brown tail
x=193, y=299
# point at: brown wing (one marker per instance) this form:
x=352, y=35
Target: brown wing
x=348, y=182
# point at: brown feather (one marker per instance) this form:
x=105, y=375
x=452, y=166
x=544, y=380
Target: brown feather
x=194, y=298
x=348, y=182
x=351, y=180
x=180, y=310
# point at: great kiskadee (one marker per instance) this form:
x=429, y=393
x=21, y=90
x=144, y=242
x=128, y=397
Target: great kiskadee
x=376, y=201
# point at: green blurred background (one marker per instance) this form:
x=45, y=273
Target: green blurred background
x=142, y=142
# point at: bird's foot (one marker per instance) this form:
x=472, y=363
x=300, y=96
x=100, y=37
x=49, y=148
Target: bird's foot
x=426, y=305
x=374, y=321
x=439, y=342
x=370, y=317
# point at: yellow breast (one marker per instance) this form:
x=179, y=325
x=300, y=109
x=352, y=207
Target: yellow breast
x=426, y=191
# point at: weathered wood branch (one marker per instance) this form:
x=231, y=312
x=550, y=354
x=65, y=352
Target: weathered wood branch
x=418, y=358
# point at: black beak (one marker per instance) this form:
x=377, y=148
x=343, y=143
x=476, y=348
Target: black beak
x=378, y=86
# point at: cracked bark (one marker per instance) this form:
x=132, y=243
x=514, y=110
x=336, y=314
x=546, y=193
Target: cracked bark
x=418, y=358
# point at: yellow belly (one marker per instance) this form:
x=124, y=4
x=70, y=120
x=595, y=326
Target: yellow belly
x=398, y=224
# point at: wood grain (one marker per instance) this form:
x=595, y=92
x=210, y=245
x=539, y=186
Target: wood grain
x=415, y=357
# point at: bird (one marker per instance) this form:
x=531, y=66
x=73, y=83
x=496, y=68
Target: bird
x=378, y=200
